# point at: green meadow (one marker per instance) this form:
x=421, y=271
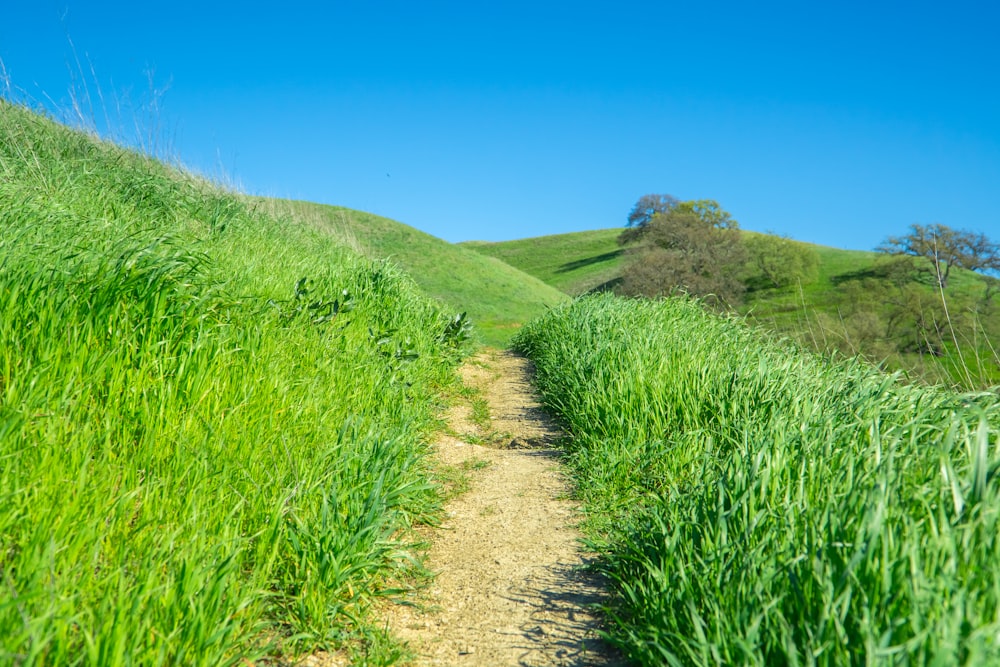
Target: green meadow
x=498, y=297
x=574, y=263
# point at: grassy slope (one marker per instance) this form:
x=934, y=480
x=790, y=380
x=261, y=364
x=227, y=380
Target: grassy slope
x=822, y=314
x=838, y=267
x=580, y=262
x=574, y=263
x=786, y=308
x=497, y=296
x=201, y=462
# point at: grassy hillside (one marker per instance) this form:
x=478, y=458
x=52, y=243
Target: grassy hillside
x=579, y=262
x=836, y=268
x=497, y=296
x=758, y=505
x=854, y=306
x=574, y=263
x=858, y=306
x=212, y=422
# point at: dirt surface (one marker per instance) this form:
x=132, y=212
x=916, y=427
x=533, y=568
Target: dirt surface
x=509, y=588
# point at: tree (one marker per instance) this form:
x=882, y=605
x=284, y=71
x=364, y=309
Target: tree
x=644, y=210
x=945, y=247
x=782, y=261
x=693, y=247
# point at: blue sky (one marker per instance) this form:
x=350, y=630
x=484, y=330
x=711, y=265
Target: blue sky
x=837, y=123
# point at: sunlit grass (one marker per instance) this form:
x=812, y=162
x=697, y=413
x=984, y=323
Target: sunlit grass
x=758, y=505
x=497, y=297
x=212, y=420
x=575, y=263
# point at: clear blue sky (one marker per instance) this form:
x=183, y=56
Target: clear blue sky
x=838, y=123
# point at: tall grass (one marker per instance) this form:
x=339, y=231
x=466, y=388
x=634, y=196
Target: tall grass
x=759, y=505
x=211, y=420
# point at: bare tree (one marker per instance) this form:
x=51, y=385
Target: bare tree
x=945, y=247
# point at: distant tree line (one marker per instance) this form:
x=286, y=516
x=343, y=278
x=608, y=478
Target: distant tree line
x=888, y=310
x=697, y=247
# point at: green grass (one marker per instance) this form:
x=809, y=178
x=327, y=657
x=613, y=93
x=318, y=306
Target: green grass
x=847, y=309
x=212, y=422
x=758, y=505
x=498, y=297
x=836, y=268
x=574, y=263
x=822, y=313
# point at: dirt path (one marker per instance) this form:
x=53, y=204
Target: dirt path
x=509, y=590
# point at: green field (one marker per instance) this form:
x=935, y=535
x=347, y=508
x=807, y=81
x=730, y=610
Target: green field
x=756, y=505
x=579, y=262
x=574, y=263
x=213, y=423
x=498, y=297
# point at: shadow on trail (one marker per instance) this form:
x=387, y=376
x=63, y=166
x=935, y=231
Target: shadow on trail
x=558, y=595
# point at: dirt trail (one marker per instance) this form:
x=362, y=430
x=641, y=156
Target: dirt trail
x=509, y=589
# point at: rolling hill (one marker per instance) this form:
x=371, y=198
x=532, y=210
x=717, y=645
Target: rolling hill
x=215, y=416
x=497, y=295
x=850, y=306
x=574, y=263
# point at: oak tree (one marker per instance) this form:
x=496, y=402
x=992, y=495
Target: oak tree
x=782, y=261
x=692, y=247
x=644, y=210
x=945, y=248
